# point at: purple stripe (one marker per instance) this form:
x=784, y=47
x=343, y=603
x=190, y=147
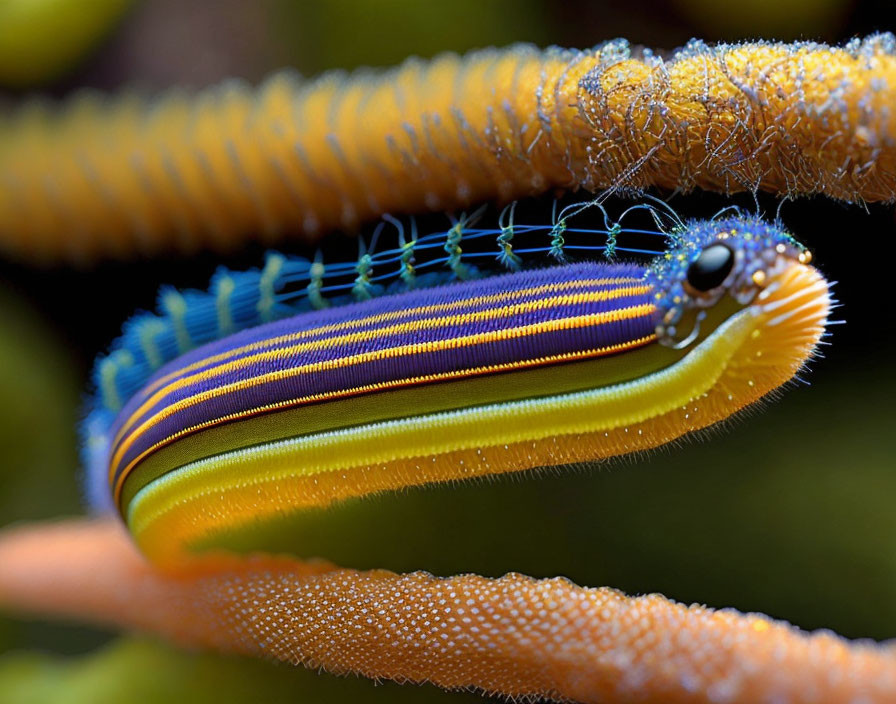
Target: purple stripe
x=382, y=370
x=459, y=291
x=390, y=304
x=597, y=337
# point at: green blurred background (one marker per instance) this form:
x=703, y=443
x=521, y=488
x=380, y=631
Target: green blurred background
x=788, y=512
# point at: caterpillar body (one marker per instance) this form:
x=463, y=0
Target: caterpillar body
x=445, y=379
x=121, y=176
x=438, y=380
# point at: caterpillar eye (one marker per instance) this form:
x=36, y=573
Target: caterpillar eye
x=710, y=269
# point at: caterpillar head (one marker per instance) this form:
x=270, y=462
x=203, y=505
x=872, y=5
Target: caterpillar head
x=732, y=264
x=741, y=295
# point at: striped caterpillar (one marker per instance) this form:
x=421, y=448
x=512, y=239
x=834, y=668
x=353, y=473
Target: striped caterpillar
x=451, y=377
x=443, y=380
x=114, y=177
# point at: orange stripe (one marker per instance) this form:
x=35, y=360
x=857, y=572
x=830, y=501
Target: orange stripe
x=592, y=320
x=381, y=386
x=366, y=335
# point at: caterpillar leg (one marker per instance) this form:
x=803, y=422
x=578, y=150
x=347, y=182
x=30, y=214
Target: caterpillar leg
x=514, y=635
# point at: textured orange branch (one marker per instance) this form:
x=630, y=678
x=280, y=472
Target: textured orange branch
x=118, y=176
x=514, y=635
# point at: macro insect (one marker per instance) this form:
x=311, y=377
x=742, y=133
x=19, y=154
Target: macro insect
x=307, y=384
x=429, y=373
x=336, y=391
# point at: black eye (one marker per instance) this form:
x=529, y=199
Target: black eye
x=710, y=268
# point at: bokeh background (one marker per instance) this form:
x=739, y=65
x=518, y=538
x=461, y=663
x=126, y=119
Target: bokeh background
x=788, y=512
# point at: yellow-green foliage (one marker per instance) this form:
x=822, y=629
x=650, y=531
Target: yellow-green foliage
x=144, y=672
x=41, y=39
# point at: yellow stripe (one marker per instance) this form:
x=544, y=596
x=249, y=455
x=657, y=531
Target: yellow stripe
x=493, y=426
x=555, y=376
x=367, y=335
x=380, y=386
x=453, y=343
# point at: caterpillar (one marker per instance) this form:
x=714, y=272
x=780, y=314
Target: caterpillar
x=467, y=374
x=118, y=177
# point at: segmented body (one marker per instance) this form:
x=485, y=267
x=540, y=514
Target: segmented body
x=117, y=176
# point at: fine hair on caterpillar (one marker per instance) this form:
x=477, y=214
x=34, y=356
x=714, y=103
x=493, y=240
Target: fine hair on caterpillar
x=209, y=171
